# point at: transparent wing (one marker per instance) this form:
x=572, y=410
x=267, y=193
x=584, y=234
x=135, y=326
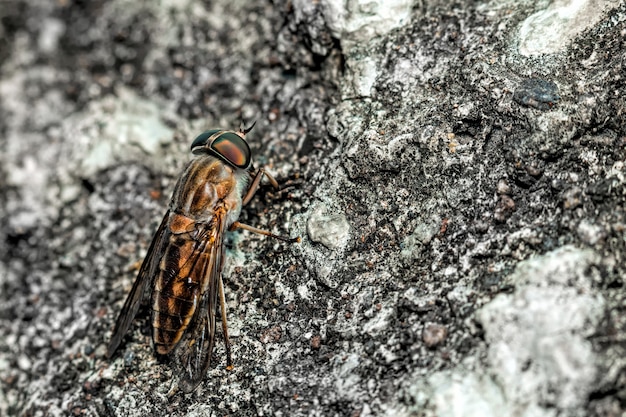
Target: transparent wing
x=145, y=277
x=193, y=353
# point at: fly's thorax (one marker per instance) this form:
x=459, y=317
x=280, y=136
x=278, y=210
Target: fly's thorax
x=206, y=183
x=241, y=186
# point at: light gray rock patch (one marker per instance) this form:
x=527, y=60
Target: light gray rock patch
x=550, y=30
x=330, y=229
x=538, y=347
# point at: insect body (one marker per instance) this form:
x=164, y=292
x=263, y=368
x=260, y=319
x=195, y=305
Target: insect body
x=183, y=265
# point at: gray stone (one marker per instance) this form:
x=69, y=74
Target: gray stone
x=425, y=191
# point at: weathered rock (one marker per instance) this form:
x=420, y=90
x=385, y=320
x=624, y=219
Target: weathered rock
x=458, y=195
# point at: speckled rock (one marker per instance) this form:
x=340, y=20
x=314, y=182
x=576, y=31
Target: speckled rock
x=470, y=168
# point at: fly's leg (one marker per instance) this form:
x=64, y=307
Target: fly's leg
x=256, y=182
x=229, y=359
x=237, y=225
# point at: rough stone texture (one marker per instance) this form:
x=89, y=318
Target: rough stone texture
x=546, y=357
x=550, y=29
x=498, y=222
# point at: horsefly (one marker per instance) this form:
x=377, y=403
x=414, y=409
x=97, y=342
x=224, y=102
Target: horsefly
x=183, y=266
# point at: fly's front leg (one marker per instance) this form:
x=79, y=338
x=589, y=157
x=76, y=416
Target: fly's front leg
x=256, y=182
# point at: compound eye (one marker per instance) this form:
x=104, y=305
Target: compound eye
x=202, y=140
x=233, y=148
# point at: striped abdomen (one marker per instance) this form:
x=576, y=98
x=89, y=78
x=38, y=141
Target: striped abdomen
x=177, y=289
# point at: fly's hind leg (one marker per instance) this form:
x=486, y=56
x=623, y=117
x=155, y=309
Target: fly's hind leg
x=229, y=358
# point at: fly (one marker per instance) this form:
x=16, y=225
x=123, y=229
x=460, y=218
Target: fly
x=183, y=266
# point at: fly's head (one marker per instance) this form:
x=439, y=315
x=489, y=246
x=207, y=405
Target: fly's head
x=227, y=145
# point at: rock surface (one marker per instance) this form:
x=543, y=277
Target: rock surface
x=457, y=177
